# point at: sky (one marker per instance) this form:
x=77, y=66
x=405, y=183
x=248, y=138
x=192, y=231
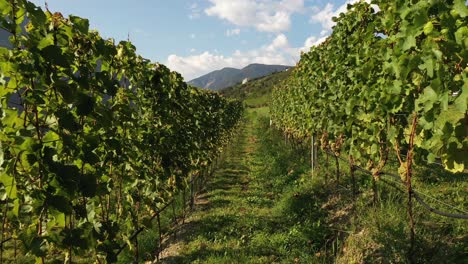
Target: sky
x=195, y=37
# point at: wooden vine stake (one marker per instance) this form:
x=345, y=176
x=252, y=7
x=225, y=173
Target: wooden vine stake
x=336, y=148
x=327, y=165
x=325, y=148
x=352, y=171
x=184, y=204
x=174, y=215
x=409, y=163
x=137, y=252
x=337, y=169
x=192, y=192
x=160, y=235
x=316, y=152
x=312, y=153
x=406, y=172
x=375, y=191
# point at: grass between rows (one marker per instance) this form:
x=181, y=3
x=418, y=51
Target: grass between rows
x=264, y=206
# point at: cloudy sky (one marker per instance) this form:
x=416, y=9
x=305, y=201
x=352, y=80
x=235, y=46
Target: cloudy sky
x=195, y=37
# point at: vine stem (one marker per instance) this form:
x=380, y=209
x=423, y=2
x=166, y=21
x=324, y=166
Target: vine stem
x=4, y=220
x=41, y=176
x=374, y=191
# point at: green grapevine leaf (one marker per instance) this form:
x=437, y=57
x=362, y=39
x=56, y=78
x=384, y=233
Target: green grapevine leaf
x=60, y=203
x=54, y=55
x=460, y=7
x=46, y=42
x=81, y=24
x=428, y=28
x=84, y=105
x=427, y=99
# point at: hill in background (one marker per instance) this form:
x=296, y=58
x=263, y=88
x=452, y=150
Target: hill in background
x=257, y=92
x=227, y=77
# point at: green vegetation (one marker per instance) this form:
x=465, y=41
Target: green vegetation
x=383, y=83
x=257, y=206
x=256, y=93
x=319, y=218
x=263, y=205
x=368, y=231
x=99, y=141
x=388, y=85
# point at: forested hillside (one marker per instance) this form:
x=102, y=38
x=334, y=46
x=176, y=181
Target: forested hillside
x=257, y=92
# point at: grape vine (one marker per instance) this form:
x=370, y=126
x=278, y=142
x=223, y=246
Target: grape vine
x=391, y=78
x=93, y=137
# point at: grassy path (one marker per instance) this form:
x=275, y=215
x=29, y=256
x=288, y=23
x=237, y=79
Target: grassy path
x=214, y=231
x=235, y=220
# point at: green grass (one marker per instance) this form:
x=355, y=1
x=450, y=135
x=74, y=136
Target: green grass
x=368, y=233
x=264, y=206
x=259, y=206
x=257, y=101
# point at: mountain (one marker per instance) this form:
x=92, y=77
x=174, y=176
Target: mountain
x=227, y=77
x=218, y=79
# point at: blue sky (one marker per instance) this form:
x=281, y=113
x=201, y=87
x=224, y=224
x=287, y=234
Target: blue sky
x=195, y=37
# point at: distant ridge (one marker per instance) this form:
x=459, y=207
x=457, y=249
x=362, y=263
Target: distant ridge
x=227, y=77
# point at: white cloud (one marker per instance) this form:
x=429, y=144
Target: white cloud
x=279, y=51
x=233, y=32
x=292, y=5
x=273, y=16
x=312, y=41
x=324, y=17
x=193, y=36
x=194, y=65
x=280, y=42
x=264, y=15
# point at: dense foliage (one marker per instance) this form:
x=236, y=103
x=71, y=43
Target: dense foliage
x=392, y=77
x=257, y=92
x=93, y=138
